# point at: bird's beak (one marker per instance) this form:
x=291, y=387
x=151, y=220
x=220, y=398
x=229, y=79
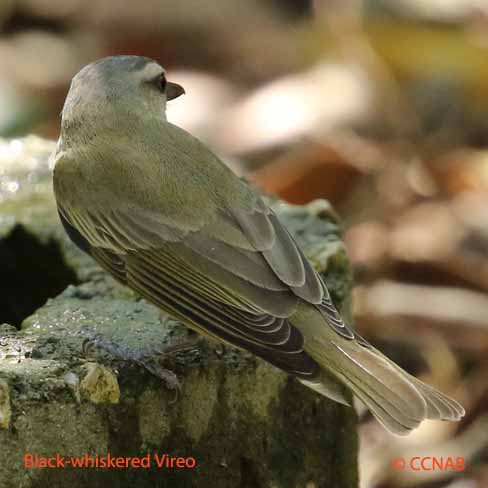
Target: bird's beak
x=173, y=90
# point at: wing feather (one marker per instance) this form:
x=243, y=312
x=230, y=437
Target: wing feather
x=239, y=277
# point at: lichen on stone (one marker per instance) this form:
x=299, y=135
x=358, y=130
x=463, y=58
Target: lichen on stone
x=5, y=410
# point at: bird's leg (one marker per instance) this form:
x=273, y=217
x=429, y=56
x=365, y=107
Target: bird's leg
x=148, y=358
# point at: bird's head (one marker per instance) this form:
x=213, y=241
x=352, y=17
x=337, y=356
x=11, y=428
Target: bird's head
x=126, y=87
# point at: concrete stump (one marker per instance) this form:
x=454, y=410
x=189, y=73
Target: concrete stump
x=237, y=421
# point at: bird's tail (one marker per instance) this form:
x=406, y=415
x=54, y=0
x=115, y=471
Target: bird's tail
x=398, y=400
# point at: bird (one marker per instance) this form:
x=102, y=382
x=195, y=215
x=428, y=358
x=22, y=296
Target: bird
x=160, y=212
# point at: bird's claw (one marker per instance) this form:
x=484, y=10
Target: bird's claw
x=146, y=359
x=166, y=375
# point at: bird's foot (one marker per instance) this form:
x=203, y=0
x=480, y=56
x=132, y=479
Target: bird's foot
x=147, y=358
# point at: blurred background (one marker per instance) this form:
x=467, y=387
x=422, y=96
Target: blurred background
x=379, y=106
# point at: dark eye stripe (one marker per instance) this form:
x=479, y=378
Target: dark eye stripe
x=162, y=82
x=159, y=82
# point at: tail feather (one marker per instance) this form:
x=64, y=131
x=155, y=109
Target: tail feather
x=325, y=384
x=397, y=423
x=391, y=397
x=390, y=418
x=399, y=401
x=439, y=405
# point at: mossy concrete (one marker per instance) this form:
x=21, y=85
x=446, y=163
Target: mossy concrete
x=244, y=422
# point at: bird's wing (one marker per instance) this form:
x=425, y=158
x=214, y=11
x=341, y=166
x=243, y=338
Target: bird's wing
x=239, y=277
x=219, y=245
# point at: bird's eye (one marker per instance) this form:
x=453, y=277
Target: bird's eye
x=161, y=81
